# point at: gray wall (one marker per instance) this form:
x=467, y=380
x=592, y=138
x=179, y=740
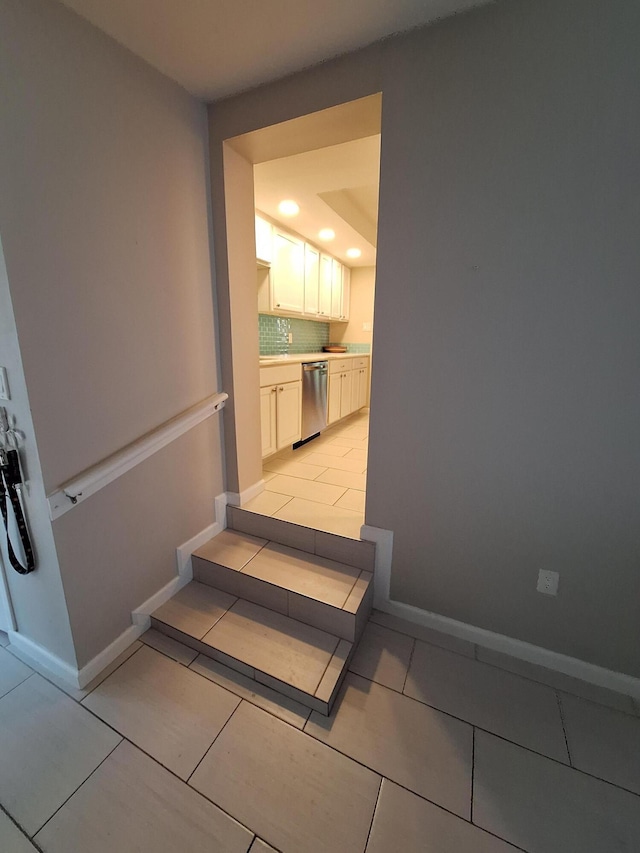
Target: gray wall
x=505, y=406
x=104, y=219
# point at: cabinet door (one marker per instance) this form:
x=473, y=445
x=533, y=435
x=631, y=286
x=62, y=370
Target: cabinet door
x=326, y=275
x=311, y=280
x=268, y=420
x=364, y=387
x=334, y=394
x=264, y=240
x=289, y=413
x=287, y=273
x=346, y=293
x=336, y=289
x=345, y=394
x=356, y=378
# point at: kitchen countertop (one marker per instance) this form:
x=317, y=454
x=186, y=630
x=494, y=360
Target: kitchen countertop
x=299, y=358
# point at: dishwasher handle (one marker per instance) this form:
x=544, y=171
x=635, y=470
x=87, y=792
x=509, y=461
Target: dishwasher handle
x=310, y=367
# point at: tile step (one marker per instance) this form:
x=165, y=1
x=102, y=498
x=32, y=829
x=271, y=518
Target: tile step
x=293, y=658
x=353, y=552
x=319, y=592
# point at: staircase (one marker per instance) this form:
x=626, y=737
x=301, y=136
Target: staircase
x=280, y=603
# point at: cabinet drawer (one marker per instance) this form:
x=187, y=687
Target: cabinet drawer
x=340, y=365
x=280, y=373
x=360, y=362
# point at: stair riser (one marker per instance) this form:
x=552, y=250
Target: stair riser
x=341, y=623
x=352, y=552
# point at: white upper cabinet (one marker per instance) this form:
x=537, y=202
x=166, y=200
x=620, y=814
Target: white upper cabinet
x=287, y=273
x=326, y=279
x=346, y=293
x=264, y=240
x=311, y=280
x=336, y=289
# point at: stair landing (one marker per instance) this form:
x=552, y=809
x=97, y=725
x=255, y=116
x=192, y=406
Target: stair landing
x=284, y=618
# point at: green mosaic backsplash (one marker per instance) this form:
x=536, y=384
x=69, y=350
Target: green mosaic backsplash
x=308, y=336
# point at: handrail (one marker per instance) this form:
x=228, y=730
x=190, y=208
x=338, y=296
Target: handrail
x=79, y=488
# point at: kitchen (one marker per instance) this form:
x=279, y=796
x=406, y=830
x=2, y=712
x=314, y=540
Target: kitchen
x=316, y=227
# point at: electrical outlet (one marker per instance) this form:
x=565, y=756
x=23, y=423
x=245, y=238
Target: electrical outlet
x=548, y=582
x=290, y=337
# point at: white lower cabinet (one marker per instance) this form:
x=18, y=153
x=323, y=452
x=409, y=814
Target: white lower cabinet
x=348, y=387
x=280, y=407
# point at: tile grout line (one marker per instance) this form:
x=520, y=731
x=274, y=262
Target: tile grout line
x=406, y=675
x=24, y=681
x=473, y=770
x=373, y=814
x=564, y=728
x=20, y=828
x=208, y=749
x=84, y=781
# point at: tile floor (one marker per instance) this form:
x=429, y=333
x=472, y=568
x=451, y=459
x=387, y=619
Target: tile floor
x=321, y=484
x=434, y=746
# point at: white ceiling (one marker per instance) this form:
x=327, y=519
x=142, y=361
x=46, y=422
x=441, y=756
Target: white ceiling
x=219, y=47
x=335, y=187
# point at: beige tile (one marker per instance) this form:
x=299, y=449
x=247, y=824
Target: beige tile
x=323, y=616
x=352, y=499
x=306, y=574
x=309, y=489
x=354, y=553
x=383, y=656
x=231, y=549
x=260, y=846
x=164, y=708
x=49, y=745
x=168, y=646
x=294, y=469
x=12, y=839
x=267, y=502
x=545, y=807
x=500, y=702
x=331, y=519
x=281, y=647
x=420, y=632
x=357, y=443
x=407, y=823
x=267, y=475
x=559, y=680
x=362, y=585
x=341, y=463
x=130, y=803
x=12, y=672
x=357, y=453
x=415, y=746
x=247, y=688
x=356, y=432
x=603, y=742
x=241, y=585
x=194, y=609
x=285, y=689
x=329, y=448
x=293, y=535
x=334, y=673
x=79, y=693
x=348, y=479
x=322, y=801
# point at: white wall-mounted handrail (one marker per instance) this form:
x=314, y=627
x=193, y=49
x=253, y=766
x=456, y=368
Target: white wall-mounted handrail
x=78, y=489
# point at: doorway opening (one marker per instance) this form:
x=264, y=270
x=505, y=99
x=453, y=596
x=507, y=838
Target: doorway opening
x=314, y=207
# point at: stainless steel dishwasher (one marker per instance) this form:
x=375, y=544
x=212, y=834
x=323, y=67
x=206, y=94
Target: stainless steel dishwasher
x=314, y=398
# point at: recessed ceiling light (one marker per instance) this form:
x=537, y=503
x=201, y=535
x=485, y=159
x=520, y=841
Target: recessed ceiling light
x=327, y=234
x=353, y=253
x=288, y=208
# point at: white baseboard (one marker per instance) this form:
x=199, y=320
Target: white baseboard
x=42, y=660
x=618, y=681
x=108, y=655
x=241, y=498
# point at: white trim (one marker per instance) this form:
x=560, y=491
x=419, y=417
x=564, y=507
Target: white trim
x=221, y=510
x=7, y=618
x=37, y=656
x=618, y=681
x=241, y=498
x=184, y=552
x=80, y=488
x=102, y=660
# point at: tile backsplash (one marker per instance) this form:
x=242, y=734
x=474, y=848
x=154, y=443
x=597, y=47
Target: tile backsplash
x=308, y=336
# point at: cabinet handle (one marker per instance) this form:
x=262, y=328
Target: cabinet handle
x=273, y=390
x=277, y=305
x=281, y=388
